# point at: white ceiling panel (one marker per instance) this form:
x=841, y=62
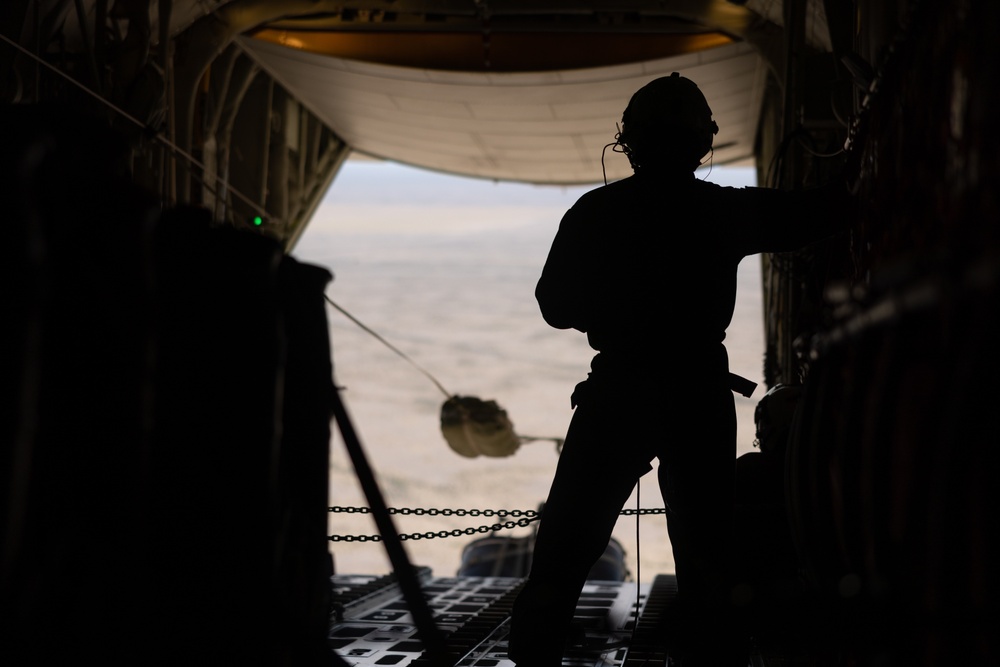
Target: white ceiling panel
x=540, y=127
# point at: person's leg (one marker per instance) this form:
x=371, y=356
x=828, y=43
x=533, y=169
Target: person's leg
x=697, y=477
x=593, y=481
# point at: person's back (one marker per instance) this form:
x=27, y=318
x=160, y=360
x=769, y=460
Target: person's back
x=647, y=265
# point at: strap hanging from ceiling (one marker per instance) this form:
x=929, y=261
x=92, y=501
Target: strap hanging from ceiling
x=483, y=10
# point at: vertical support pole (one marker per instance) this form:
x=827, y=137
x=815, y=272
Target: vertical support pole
x=794, y=19
x=429, y=634
x=265, y=149
x=276, y=185
x=88, y=44
x=326, y=169
x=38, y=51
x=305, y=119
x=212, y=188
x=245, y=71
x=168, y=163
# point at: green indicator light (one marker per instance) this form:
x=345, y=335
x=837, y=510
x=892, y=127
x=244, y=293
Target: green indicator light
x=258, y=221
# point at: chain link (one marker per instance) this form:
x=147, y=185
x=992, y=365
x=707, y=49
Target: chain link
x=527, y=517
x=644, y=511
x=420, y=511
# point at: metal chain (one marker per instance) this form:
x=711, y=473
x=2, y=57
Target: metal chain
x=431, y=534
x=644, y=511
x=528, y=516
x=420, y=511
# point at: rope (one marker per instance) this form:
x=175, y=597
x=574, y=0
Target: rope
x=389, y=345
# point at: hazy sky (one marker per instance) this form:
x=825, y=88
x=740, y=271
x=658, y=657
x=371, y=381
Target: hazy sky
x=444, y=267
x=377, y=197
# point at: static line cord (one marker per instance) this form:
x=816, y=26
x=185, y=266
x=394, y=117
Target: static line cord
x=604, y=170
x=447, y=394
x=616, y=147
x=638, y=559
x=158, y=136
x=388, y=345
x=710, y=162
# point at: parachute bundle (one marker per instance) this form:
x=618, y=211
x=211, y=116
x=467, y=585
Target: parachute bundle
x=474, y=427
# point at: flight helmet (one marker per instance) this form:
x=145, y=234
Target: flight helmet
x=773, y=417
x=668, y=121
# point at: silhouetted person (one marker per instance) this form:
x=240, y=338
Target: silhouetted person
x=646, y=266
x=767, y=563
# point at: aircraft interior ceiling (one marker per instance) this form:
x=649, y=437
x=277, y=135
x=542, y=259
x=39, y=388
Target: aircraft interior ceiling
x=520, y=91
x=541, y=127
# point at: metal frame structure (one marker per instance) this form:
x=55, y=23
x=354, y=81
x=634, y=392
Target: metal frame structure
x=207, y=125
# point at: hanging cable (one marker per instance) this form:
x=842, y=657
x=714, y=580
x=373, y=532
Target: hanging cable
x=389, y=345
x=711, y=164
x=157, y=135
x=638, y=559
x=616, y=146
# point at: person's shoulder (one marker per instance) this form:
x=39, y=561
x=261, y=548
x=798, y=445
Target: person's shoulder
x=725, y=190
x=610, y=190
x=604, y=196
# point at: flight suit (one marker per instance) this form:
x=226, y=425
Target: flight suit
x=646, y=267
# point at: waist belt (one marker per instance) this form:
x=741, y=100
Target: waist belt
x=741, y=385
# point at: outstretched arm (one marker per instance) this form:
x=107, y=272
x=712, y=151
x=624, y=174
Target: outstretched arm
x=782, y=221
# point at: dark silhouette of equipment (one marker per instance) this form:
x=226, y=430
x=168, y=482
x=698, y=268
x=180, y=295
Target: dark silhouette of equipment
x=166, y=438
